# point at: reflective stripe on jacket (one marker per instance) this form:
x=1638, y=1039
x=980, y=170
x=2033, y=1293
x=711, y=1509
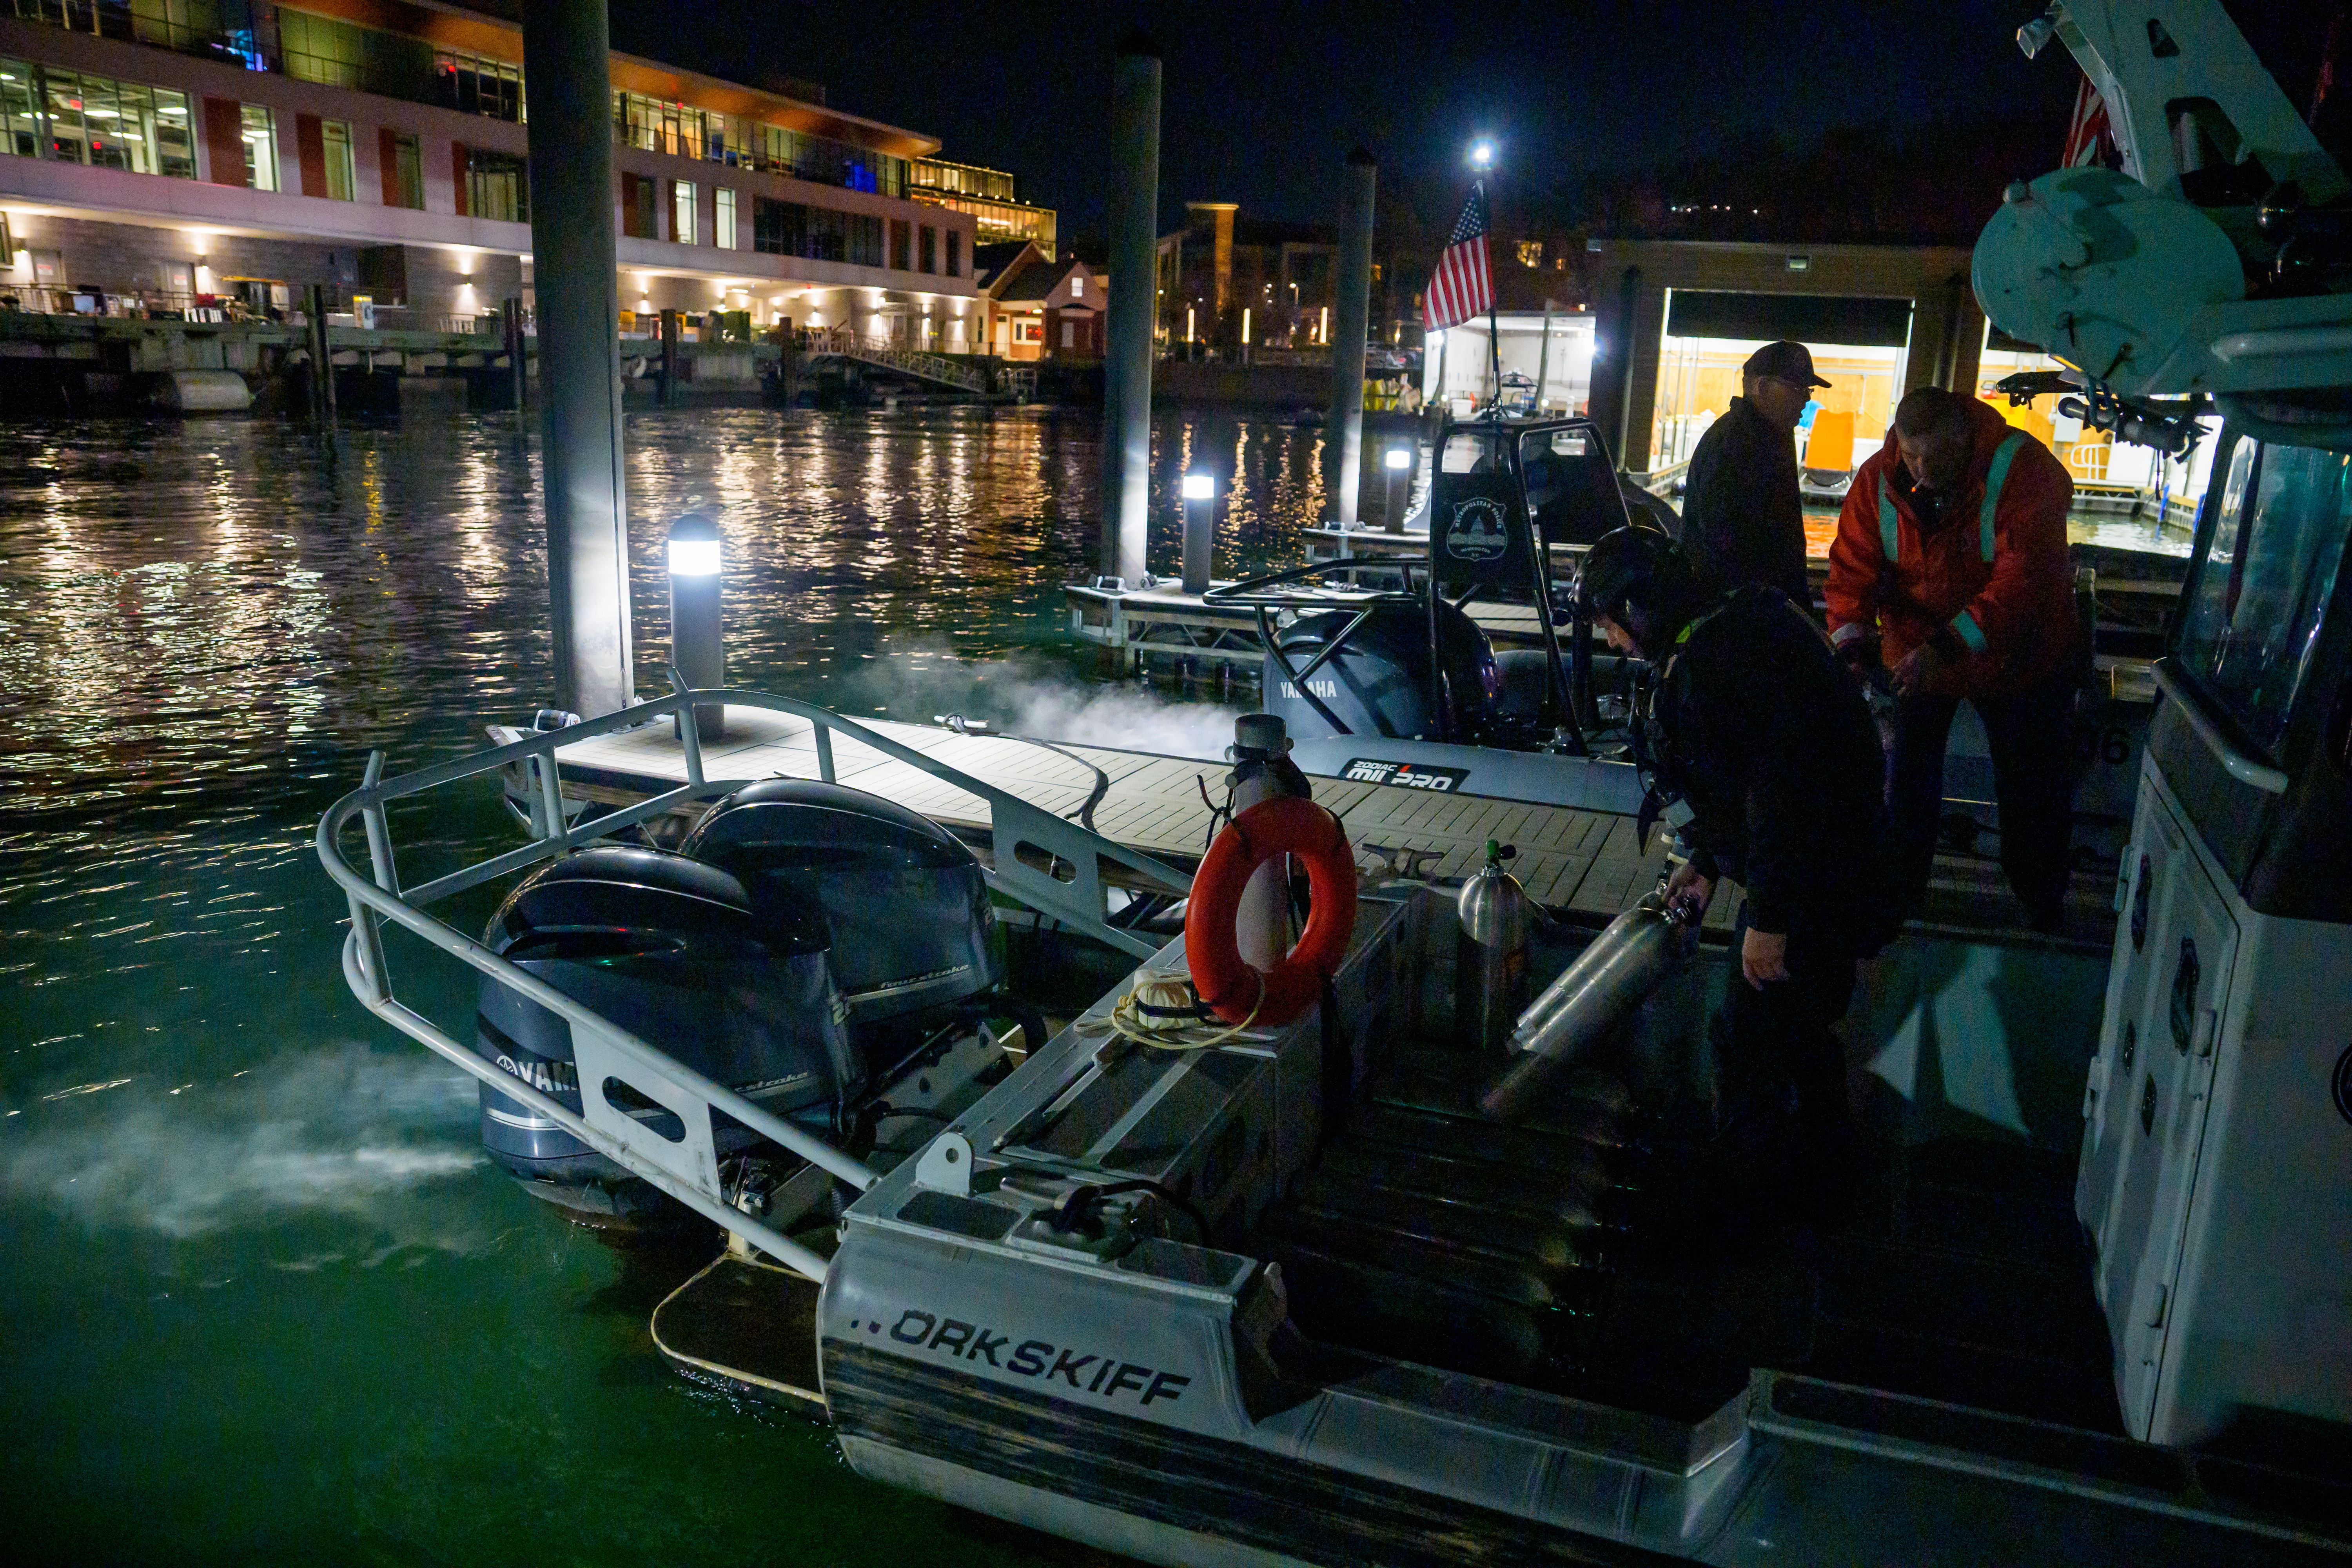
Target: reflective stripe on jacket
x=1991, y=586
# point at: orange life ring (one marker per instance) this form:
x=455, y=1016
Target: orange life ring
x=1231, y=987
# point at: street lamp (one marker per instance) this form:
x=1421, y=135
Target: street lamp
x=1200, y=491
x=1397, y=466
x=696, y=650
x=1482, y=154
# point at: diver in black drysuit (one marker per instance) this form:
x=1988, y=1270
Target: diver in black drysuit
x=1766, y=742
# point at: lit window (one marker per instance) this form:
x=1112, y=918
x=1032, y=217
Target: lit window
x=1077, y=284
x=260, y=134
x=335, y=141
x=681, y=211
x=722, y=213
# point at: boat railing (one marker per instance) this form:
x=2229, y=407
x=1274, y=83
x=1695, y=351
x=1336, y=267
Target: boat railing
x=613, y=1063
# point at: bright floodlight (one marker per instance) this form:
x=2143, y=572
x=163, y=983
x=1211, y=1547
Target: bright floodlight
x=694, y=557
x=1398, y=458
x=1199, y=487
x=1482, y=154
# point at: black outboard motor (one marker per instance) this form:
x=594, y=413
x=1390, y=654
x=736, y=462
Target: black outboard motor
x=912, y=932
x=671, y=951
x=1378, y=683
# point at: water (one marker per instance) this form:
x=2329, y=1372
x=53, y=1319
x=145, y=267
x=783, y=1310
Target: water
x=261, y=1296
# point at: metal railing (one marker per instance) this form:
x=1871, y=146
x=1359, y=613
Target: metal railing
x=886, y=352
x=1067, y=887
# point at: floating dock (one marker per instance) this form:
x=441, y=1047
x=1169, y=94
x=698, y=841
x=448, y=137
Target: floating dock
x=1583, y=862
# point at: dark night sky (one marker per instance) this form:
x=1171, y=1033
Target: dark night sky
x=1262, y=100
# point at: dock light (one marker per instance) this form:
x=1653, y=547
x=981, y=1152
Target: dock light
x=1396, y=465
x=696, y=649
x=1200, y=524
x=1482, y=154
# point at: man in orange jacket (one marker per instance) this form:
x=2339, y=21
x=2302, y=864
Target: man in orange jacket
x=1951, y=565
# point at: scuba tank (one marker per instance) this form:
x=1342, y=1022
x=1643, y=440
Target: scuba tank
x=1490, y=959
x=1263, y=770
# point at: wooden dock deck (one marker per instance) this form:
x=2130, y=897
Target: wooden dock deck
x=1583, y=862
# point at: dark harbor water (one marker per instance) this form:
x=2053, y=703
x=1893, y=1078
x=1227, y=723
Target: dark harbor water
x=259, y=1295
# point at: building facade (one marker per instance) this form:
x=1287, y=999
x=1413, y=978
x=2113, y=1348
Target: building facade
x=990, y=196
x=216, y=155
x=1038, y=307
x=1225, y=282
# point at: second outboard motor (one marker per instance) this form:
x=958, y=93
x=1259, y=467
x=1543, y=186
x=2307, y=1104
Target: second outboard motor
x=912, y=932
x=670, y=951
x=1378, y=682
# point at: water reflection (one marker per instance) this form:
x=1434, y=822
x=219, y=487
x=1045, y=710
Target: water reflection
x=206, y=1153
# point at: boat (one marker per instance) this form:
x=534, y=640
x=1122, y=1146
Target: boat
x=1284, y=1290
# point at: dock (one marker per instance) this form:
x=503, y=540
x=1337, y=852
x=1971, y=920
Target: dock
x=1159, y=625
x=1582, y=861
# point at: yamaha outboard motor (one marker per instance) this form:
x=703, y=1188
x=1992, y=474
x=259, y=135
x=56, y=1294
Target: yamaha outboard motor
x=671, y=951
x=1378, y=682
x=912, y=932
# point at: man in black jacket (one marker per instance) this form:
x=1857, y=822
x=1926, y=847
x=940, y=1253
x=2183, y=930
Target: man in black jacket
x=1743, y=519
x=1768, y=743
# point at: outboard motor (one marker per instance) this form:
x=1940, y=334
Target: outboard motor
x=672, y=951
x=1378, y=683
x=912, y=932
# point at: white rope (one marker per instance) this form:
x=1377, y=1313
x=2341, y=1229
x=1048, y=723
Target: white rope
x=1167, y=989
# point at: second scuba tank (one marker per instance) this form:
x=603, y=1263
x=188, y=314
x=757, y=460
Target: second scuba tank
x=1490, y=962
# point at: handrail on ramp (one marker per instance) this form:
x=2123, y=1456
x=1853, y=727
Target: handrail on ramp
x=606, y=1055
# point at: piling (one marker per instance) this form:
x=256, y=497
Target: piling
x=567, y=57
x=1355, y=286
x=670, y=338
x=1134, y=263
x=322, y=357
x=510, y=333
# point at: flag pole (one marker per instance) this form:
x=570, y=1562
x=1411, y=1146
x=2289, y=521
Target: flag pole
x=1494, y=333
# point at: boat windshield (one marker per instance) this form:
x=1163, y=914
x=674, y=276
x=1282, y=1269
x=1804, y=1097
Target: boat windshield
x=2251, y=622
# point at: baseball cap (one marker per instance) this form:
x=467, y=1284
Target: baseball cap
x=1784, y=360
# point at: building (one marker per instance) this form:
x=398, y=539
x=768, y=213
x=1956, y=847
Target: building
x=1038, y=307
x=990, y=195
x=157, y=156
x=1677, y=319
x=1225, y=282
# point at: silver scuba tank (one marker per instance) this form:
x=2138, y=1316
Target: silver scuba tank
x=1263, y=770
x=1490, y=961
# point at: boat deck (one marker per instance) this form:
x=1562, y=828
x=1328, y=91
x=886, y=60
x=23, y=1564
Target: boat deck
x=1583, y=862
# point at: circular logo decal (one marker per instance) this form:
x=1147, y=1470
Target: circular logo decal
x=2344, y=1084
x=1478, y=533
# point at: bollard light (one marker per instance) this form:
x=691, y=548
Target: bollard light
x=693, y=557
x=1200, y=491
x=696, y=646
x=1397, y=464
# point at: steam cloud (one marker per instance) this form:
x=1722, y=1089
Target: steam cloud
x=341, y=1131
x=1029, y=696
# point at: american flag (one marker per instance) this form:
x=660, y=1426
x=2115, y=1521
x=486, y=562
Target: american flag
x=2090, y=140
x=1464, y=284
